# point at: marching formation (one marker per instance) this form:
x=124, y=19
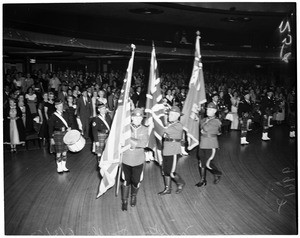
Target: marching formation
x=160, y=124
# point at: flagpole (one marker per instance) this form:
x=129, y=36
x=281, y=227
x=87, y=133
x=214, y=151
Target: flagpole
x=123, y=116
x=119, y=176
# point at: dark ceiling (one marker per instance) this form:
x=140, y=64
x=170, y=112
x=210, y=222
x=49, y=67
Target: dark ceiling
x=96, y=30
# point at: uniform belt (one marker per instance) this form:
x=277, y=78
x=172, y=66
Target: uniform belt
x=209, y=135
x=103, y=132
x=172, y=140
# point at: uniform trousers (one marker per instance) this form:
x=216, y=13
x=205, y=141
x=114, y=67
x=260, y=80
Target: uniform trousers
x=169, y=165
x=206, y=157
x=132, y=174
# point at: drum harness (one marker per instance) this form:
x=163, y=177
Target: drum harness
x=62, y=119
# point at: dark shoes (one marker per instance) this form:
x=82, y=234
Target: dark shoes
x=166, y=191
x=201, y=183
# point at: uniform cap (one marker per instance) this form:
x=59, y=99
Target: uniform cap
x=175, y=109
x=138, y=112
x=214, y=94
x=212, y=105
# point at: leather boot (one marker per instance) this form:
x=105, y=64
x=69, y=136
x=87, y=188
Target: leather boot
x=125, y=195
x=217, y=174
x=168, y=188
x=180, y=183
x=134, y=192
x=202, y=171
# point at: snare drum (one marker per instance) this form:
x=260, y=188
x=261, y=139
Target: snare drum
x=74, y=140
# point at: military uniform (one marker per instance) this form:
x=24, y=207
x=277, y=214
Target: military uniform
x=267, y=109
x=210, y=129
x=133, y=161
x=245, y=110
x=172, y=142
x=100, y=129
x=58, y=127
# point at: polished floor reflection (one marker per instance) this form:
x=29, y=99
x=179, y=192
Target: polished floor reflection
x=257, y=194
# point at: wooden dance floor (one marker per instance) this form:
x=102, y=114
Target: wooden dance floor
x=257, y=194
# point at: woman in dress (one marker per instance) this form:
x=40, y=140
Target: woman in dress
x=70, y=111
x=14, y=131
x=49, y=106
x=31, y=98
x=102, y=97
x=235, y=100
x=170, y=97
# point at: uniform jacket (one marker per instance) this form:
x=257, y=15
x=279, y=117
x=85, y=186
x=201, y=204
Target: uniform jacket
x=56, y=124
x=210, y=129
x=173, y=131
x=139, y=140
x=267, y=105
x=243, y=107
x=98, y=125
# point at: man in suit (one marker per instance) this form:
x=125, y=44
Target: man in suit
x=136, y=96
x=85, y=112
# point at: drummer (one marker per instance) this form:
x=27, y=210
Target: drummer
x=58, y=127
x=100, y=129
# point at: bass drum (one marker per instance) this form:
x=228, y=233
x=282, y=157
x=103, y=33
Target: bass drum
x=74, y=140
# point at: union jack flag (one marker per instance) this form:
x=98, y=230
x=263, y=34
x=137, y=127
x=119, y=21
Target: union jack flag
x=118, y=140
x=195, y=97
x=154, y=103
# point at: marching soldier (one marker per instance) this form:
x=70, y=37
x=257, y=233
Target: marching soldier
x=267, y=109
x=210, y=129
x=134, y=159
x=58, y=127
x=245, y=109
x=100, y=129
x=172, y=143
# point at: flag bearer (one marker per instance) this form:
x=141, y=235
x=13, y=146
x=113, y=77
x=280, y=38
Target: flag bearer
x=210, y=127
x=172, y=142
x=134, y=159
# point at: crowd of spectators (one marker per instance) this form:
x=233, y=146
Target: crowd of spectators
x=32, y=95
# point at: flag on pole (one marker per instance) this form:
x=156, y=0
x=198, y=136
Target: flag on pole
x=154, y=103
x=118, y=140
x=195, y=97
